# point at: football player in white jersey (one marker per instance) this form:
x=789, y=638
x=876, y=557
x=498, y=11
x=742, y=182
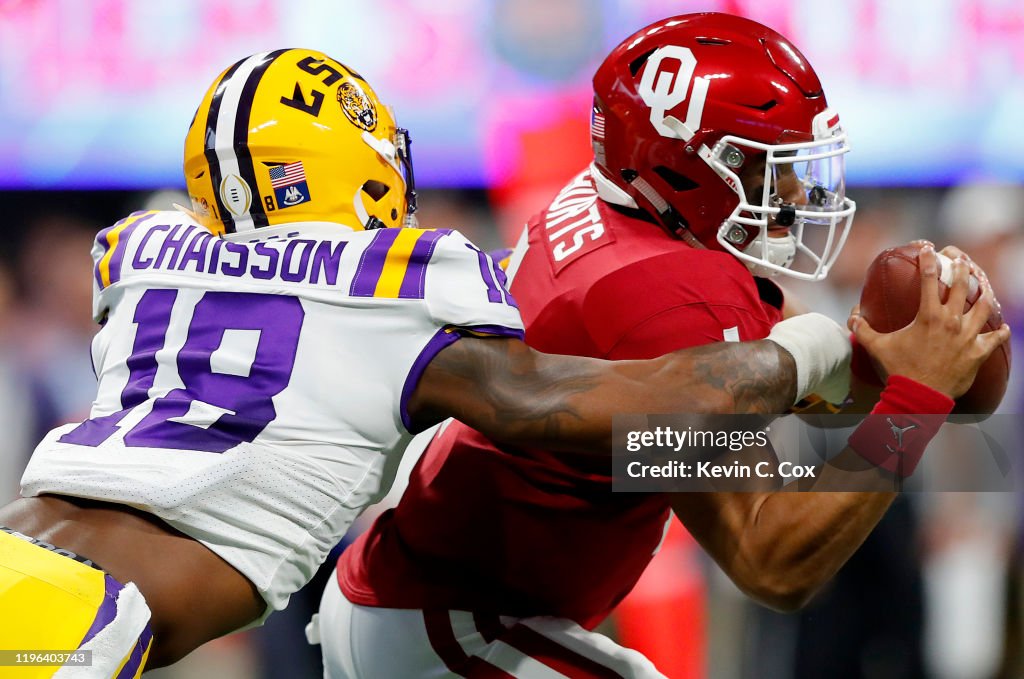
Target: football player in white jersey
x=264, y=358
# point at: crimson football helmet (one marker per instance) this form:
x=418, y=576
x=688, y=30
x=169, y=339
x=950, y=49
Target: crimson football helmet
x=719, y=127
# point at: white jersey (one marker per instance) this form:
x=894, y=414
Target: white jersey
x=253, y=394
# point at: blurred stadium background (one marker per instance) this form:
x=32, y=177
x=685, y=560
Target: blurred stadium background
x=95, y=99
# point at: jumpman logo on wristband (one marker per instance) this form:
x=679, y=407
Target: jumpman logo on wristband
x=898, y=432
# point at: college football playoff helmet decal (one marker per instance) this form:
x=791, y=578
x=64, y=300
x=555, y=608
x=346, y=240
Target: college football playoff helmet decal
x=294, y=136
x=719, y=127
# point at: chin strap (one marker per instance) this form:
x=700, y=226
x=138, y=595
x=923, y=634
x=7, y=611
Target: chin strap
x=779, y=252
x=368, y=221
x=609, y=192
x=684, y=234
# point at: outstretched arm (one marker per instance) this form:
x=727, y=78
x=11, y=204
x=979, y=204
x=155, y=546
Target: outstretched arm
x=514, y=394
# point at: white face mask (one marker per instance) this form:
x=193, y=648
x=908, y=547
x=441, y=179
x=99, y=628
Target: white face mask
x=818, y=223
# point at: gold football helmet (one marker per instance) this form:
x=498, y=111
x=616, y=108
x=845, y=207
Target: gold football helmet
x=295, y=136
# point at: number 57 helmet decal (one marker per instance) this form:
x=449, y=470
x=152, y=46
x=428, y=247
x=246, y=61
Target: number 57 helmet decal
x=719, y=127
x=294, y=136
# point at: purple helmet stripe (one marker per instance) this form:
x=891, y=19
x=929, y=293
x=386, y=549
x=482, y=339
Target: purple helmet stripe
x=241, y=132
x=210, y=143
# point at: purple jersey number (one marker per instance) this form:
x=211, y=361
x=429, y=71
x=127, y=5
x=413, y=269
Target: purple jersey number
x=218, y=407
x=494, y=278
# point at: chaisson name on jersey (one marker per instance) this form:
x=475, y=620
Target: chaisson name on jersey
x=186, y=247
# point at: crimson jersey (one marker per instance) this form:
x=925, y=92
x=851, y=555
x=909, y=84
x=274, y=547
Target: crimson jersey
x=526, y=532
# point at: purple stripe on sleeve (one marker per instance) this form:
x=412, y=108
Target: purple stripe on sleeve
x=371, y=263
x=131, y=668
x=101, y=238
x=107, y=610
x=122, y=245
x=416, y=272
x=441, y=339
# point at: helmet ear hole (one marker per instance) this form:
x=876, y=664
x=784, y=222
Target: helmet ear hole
x=634, y=66
x=375, y=189
x=678, y=182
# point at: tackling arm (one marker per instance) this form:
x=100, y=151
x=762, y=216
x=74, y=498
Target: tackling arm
x=513, y=394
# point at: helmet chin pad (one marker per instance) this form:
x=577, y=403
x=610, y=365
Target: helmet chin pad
x=769, y=255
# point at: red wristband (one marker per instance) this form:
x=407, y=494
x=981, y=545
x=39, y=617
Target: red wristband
x=901, y=424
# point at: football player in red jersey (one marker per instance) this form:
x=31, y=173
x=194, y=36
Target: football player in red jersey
x=716, y=160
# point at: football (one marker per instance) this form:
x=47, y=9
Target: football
x=889, y=301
